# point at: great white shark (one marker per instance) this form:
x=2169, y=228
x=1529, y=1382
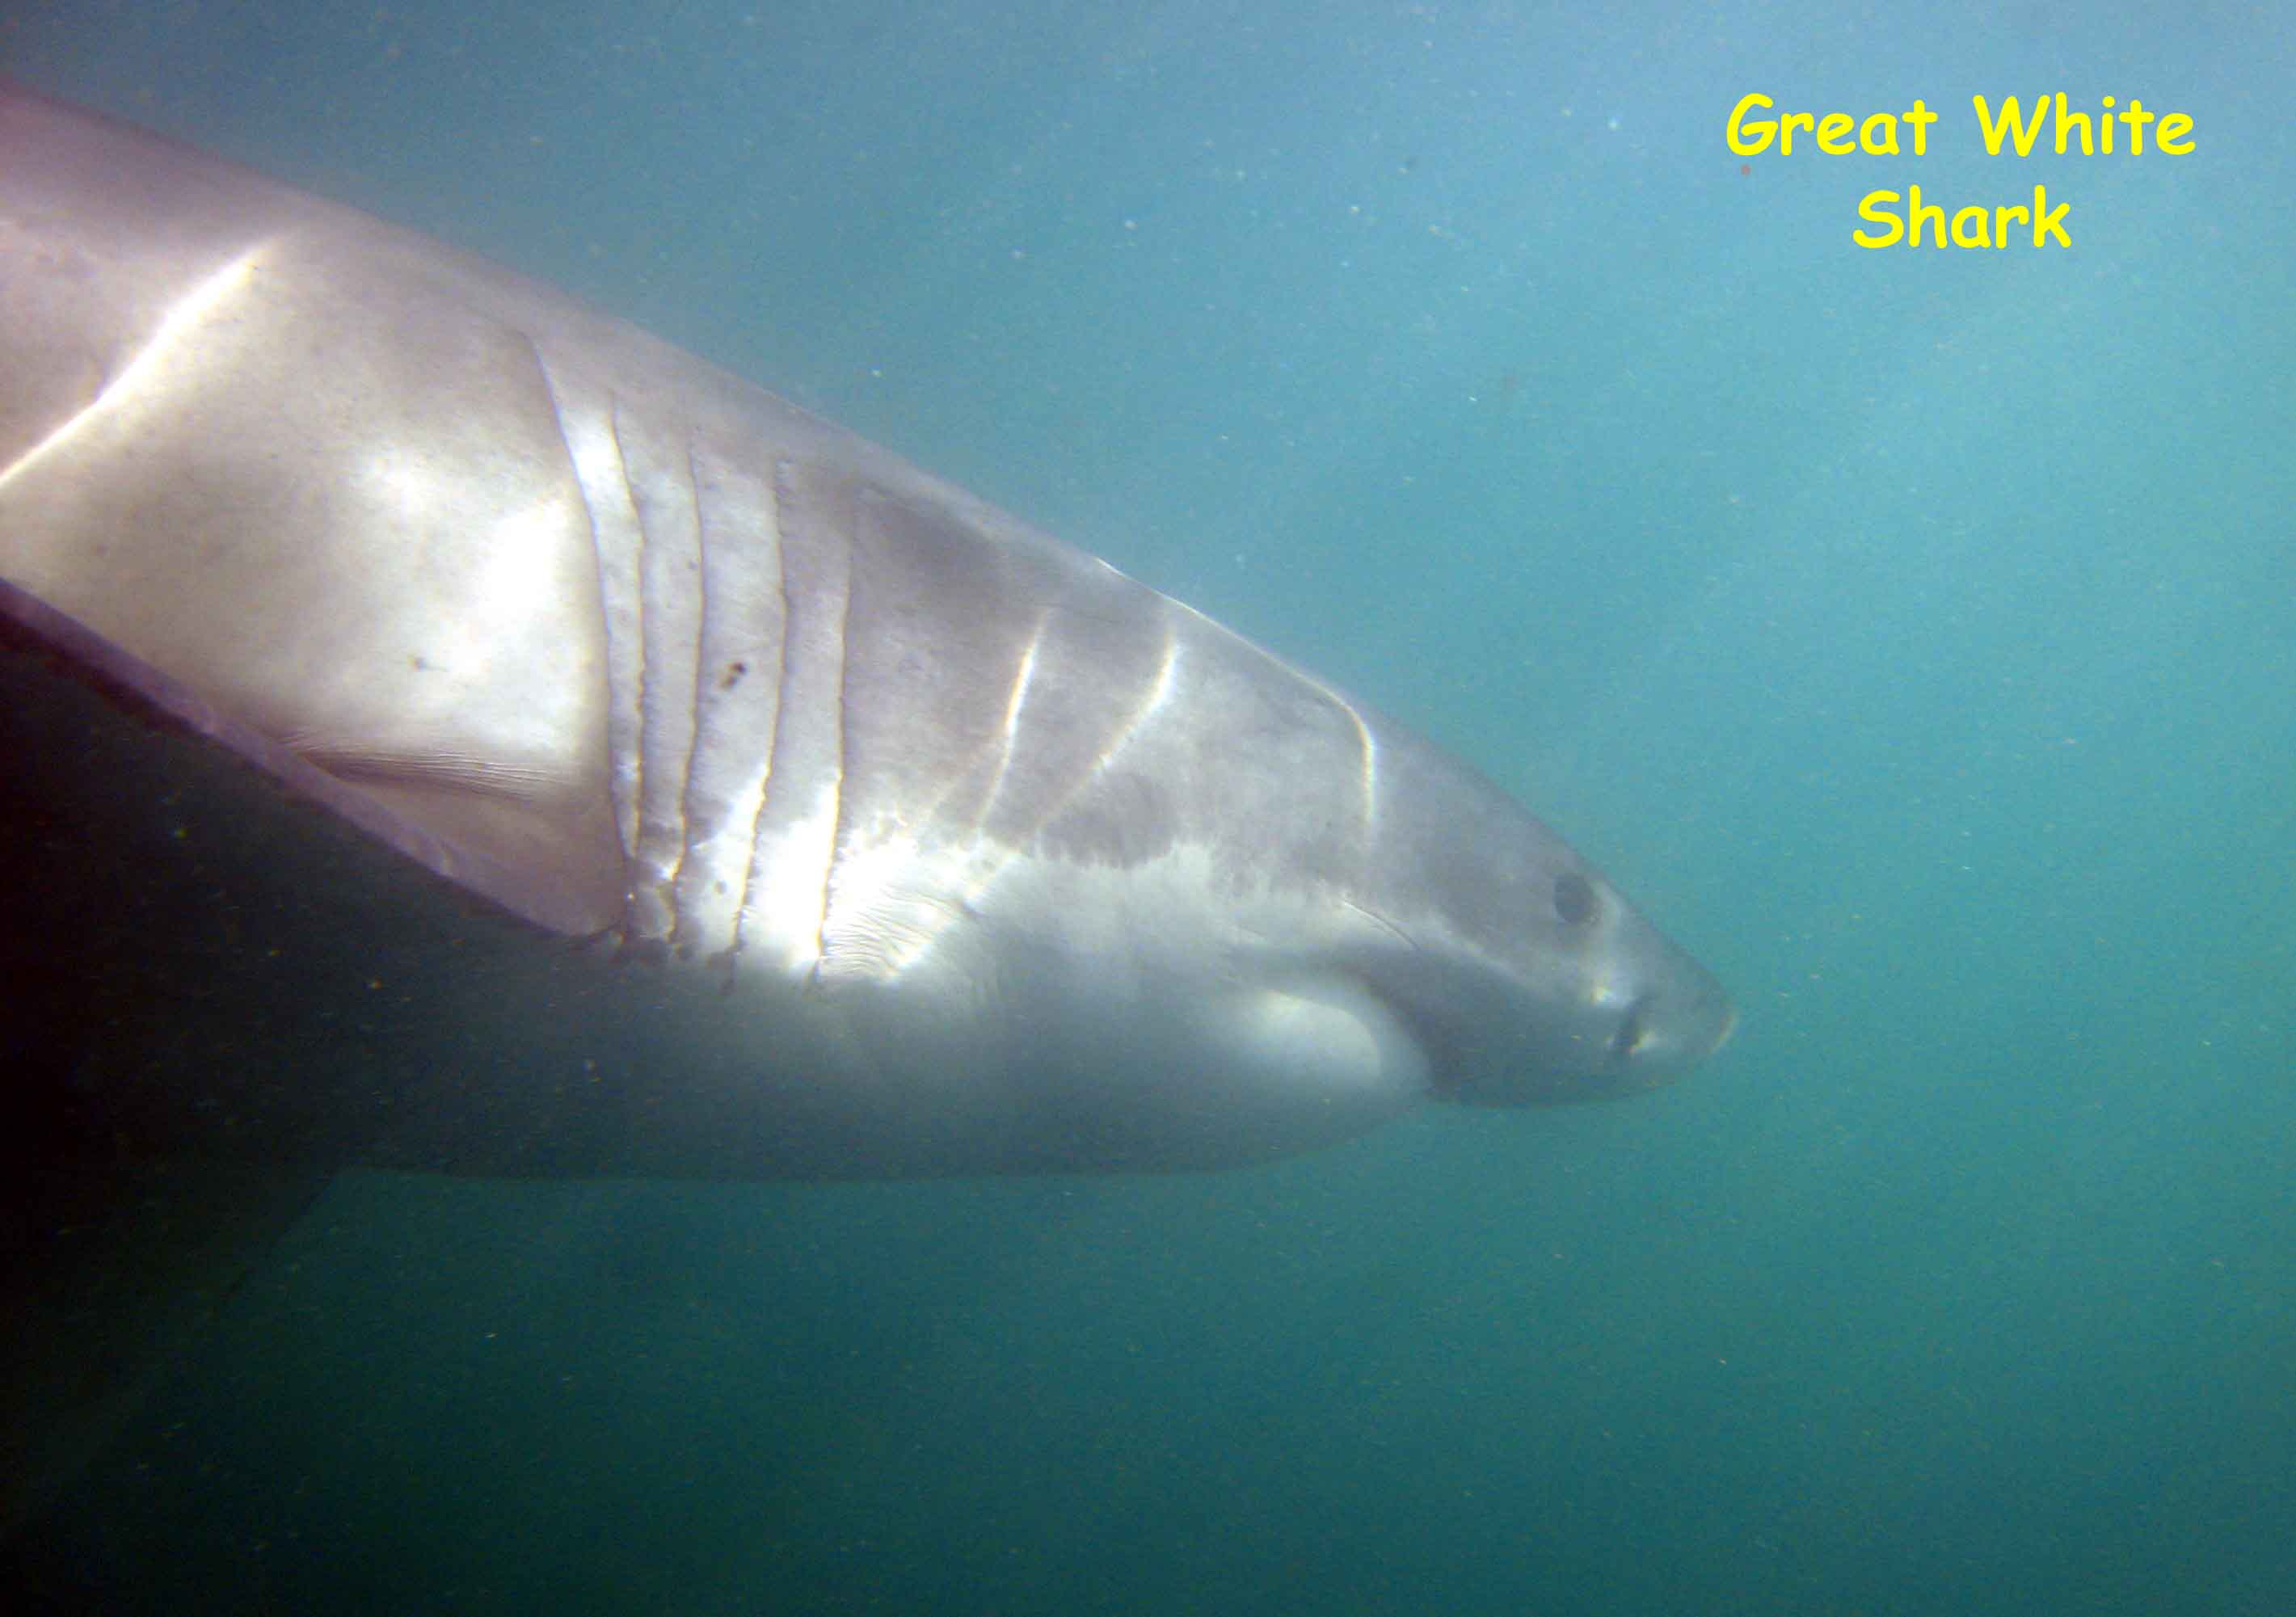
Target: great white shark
x=979, y=849
x=448, y=728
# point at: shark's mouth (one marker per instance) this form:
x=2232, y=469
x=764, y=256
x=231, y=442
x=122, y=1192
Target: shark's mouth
x=1634, y=1032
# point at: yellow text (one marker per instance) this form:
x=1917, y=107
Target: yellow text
x=1970, y=226
x=1876, y=134
x=2092, y=134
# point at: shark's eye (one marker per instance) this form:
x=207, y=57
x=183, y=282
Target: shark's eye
x=1574, y=899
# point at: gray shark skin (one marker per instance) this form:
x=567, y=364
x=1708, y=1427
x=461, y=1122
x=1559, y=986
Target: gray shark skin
x=588, y=763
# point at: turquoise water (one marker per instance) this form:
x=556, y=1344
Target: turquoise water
x=1913, y=634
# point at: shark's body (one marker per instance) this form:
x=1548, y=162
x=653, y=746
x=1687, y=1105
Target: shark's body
x=441, y=726
x=890, y=822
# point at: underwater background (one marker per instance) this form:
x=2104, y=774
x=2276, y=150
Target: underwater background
x=1912, y=633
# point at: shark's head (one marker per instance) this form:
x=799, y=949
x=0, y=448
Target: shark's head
x=1522, y=973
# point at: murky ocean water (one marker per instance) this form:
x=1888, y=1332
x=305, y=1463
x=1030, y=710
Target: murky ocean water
x=1913, y=634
